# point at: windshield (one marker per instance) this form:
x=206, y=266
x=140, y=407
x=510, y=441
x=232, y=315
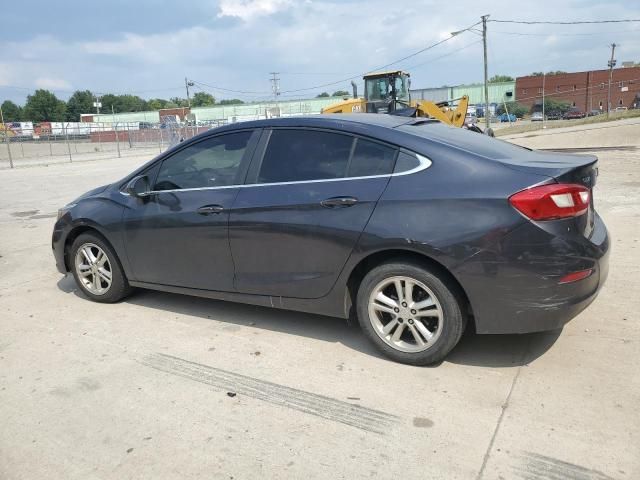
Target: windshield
x=381, y=88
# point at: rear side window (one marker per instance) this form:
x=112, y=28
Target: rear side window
x=299, y=155
x=371, y=158
x=406, y=162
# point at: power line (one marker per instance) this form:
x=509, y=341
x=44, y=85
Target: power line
x=610, y=32
x=583, y=22
x=229, y=89
x=411, y=67
x=429, y=47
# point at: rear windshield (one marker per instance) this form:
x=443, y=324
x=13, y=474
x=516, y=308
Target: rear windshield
x=466, y=140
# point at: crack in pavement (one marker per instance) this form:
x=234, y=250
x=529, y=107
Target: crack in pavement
x=504, y=406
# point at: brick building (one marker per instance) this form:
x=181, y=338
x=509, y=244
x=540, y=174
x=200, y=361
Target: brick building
x=583, y=90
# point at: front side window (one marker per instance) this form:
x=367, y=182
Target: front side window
x=299, y=155
x=214, y=162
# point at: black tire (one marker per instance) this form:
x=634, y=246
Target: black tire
x=119, y=287
x=448, y=296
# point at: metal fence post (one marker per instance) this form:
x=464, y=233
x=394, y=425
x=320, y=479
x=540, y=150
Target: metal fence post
x=129, y=135
x=6, y=137
x=66, y=134
x=8, y=142
x=115, y=129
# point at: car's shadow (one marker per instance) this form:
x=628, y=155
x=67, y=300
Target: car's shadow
x=474, y=350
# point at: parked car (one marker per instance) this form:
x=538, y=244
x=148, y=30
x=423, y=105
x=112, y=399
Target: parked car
x=573, y=114
x=537, y=117
x=507, y=117
x=416, y=228
x=593, y=113
x=621, y=109
x=554, y=116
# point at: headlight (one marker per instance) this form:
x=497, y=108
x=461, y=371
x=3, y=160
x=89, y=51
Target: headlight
x=65, y=209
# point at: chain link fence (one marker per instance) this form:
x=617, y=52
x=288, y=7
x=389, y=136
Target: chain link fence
x=24, y=143
x=27, y=143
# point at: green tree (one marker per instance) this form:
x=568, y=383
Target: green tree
x=553, y=105
x=156, y=103
x=231, y=101
x=340, y=93
x=131, y=103
x=43, y=106
x=123, y=103
x=178, y=102
x=323, y=95
x=80, y=102
x=536, y=74
x=109, y=100
x=500, y=78
x=514, y=108
x=11, y=112
x=202, y=99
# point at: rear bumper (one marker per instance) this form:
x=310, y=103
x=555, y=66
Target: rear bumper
x=515, y=289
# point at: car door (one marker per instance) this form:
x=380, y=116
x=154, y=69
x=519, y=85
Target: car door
x=293, y=228
x=178, y=234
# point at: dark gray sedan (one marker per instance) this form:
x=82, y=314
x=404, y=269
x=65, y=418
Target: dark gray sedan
x=418, y=229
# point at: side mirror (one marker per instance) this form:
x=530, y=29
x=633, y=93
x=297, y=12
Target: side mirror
x=138, y=187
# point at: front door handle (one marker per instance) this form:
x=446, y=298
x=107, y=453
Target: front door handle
x=210, y=209
x=339, y=202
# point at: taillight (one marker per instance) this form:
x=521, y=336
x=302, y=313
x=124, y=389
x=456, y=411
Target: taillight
x=551, y=202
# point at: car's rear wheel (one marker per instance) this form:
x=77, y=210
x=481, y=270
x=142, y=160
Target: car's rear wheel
x=410, y=313
x=97, y=270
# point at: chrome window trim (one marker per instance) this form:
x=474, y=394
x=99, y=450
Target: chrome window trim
x=424, y=163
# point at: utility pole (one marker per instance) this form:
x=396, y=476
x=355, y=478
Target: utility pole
x=611, y=64
x=187, y=84
x=487, y=114
x=97, y=104
x=275, y=85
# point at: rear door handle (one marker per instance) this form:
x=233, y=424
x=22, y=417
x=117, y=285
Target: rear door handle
x=210, y=209
x=339, y=202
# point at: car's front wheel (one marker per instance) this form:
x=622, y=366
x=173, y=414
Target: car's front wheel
x=410, y=313
x=96, y=269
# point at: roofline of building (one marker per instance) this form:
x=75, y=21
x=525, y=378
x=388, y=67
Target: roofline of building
x=603, y=70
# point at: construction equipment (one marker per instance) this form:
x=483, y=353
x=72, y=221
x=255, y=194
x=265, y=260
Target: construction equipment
x=388, y=92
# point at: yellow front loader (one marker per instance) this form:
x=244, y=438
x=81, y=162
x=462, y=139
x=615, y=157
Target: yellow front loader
x=388, y=92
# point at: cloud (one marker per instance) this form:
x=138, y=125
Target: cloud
x=6, y=74
x=51, y=83
x=250, y=9
x=235, y=44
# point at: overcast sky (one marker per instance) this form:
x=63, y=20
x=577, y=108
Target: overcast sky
x=147, y=47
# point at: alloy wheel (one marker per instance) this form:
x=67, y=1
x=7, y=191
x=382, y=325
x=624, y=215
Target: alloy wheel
x=93, y=268
x=405, y=314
